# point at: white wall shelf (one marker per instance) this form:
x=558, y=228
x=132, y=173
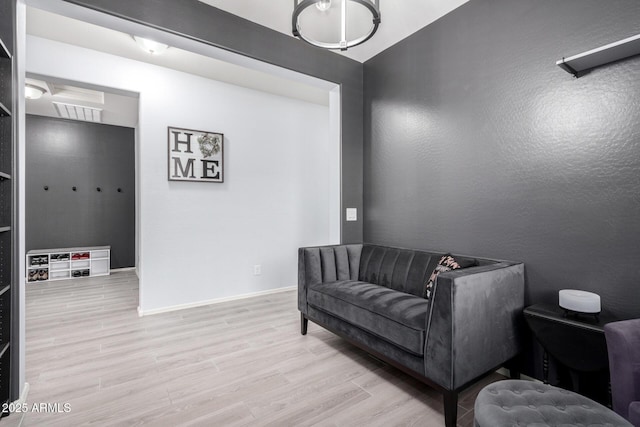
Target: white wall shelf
x=68, y=263
x=593, y=58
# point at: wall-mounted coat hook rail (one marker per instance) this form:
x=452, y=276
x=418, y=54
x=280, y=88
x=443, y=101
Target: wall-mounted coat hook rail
x=74, y=188
x=46, y=188
x=99, y=189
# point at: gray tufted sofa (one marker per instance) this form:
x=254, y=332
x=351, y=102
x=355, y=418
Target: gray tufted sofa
x=373, y=296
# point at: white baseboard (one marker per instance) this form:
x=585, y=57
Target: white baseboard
x=117, y=270
x=212, y=301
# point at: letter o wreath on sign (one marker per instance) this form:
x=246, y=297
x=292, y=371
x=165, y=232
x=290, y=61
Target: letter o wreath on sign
x=194, y=155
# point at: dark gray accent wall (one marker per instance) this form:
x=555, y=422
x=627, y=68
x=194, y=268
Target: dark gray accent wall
x=477, y=143
x=198, y=21
x=61, y=154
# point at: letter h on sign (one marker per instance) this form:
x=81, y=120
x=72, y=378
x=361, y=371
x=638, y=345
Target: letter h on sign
x=195, y=155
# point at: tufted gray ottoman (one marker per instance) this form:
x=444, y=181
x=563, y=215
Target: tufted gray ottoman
x=526, y=403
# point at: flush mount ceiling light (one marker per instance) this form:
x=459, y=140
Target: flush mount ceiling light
x=323, y=5
x=151, y=46
x=33, y=91
x=335, y=24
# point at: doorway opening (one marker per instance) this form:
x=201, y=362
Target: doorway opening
x=242, y=96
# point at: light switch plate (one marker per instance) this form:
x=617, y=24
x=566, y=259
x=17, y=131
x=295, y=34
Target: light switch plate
x=352, y=214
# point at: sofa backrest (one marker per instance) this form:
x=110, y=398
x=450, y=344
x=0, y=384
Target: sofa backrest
x=329, y=263
x=404, y=270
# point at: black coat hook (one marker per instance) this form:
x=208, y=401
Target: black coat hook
x=74, y=188
x=46, y=188
x=99, y=189
x=119, y=190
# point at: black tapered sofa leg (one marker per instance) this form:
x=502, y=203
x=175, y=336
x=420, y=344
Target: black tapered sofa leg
x=450, y=408
x=514, y=373
x=304, y=322
x=513, y=365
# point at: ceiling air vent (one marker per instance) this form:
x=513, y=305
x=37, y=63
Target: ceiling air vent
x=78, y=112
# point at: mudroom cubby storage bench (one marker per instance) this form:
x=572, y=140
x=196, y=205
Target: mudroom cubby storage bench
x=68, y=263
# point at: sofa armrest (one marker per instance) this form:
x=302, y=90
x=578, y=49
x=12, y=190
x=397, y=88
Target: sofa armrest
x=623, y=348
x=474, y=323
x=320, y=264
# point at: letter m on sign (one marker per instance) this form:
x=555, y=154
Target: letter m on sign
x=181, y=170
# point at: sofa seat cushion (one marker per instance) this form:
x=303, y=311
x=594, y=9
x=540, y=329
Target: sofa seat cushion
x=394, y=316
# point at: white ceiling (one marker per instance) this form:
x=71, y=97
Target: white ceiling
x=400, y=18
x=119, y=109
x=75, y=32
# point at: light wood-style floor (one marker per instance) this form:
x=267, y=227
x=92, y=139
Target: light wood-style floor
x=236, y=363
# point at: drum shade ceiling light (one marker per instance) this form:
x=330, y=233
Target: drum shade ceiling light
x=335, y=24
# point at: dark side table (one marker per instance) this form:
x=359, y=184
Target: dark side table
x=577, y=343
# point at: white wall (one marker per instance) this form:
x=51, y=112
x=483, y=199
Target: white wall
x=200, y=241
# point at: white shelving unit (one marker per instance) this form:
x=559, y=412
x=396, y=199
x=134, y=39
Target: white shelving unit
x=68, y=263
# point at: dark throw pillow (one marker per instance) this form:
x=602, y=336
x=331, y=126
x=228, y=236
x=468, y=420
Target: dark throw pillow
x=446, y=263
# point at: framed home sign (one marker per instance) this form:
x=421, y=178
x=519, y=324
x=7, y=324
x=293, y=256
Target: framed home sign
x=195, y=155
